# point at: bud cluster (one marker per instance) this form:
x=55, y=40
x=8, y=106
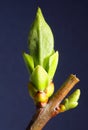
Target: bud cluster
x=42, y=60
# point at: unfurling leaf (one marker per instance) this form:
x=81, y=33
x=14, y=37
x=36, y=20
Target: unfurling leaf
x=52, y=64
x=40, y=78
x=49, y=90
x=40, y=39
x=29, y=62
x=32, y=90
x=42, y=61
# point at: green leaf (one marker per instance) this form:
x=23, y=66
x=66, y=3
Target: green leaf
x=28, y=61
x=40, y=39
x=40, y=78
x=72, y=100
x=46, y=61
x=49, y=89
x=52, y=64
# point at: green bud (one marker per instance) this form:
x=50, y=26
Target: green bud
x=29, y=62
x=40, y=39
x=40, y=78
x=72, y=101
x=32, y=90
x=49, y=89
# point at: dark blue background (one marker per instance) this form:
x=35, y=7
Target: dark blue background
x=69, y=22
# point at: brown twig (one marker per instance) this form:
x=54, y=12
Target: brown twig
x=43, y=115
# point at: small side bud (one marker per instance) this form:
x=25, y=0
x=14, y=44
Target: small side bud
x=40, y=97
x=62, y=108
x=72, y=101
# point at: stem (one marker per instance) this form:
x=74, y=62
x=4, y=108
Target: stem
x=43, y=115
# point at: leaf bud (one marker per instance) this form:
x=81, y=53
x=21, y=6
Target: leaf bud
x=41, y=97
x=40, y=78
x=72, y=101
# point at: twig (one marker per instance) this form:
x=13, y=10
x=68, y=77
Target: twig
x=43, y=115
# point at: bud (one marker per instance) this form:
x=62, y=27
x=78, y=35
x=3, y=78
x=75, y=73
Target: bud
x=41, y=97
x=72, y=101
x=62, y=108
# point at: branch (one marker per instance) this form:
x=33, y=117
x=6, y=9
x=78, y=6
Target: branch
x=43, y=115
